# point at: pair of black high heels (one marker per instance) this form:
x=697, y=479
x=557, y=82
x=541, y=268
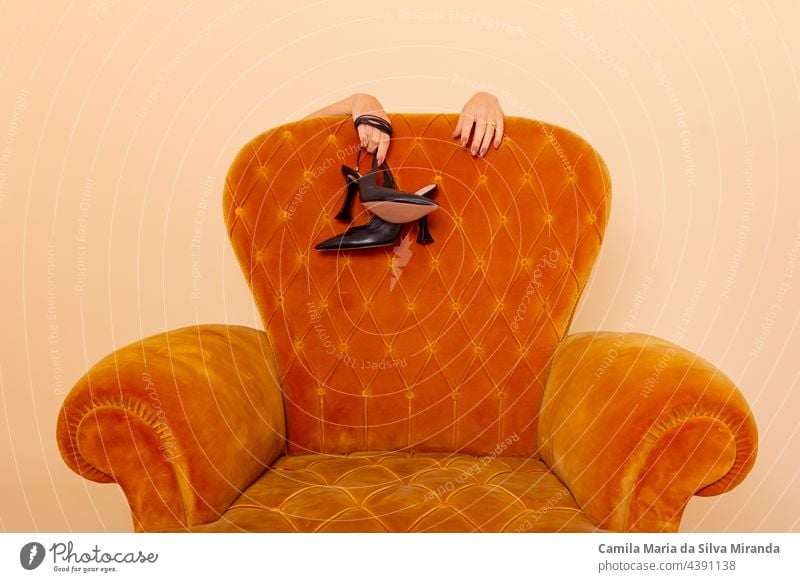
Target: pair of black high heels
x=390, y=207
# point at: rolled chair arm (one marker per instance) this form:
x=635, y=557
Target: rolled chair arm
x=182, y=421
x=635, y=425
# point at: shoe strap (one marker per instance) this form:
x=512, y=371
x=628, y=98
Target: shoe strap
x=383, y=169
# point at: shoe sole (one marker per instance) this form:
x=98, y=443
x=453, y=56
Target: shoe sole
x=399, y=212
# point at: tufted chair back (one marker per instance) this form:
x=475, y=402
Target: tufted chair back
x=444, y=347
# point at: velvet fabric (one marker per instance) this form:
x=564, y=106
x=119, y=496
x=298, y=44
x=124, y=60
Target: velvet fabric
x=183, y=421
x=635, y=425
x=411, y=387
x=441, y=347
x=404, y=492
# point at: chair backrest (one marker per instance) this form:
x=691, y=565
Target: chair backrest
x=444, y=347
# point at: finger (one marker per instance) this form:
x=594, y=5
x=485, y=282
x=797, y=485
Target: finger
x=383, y=147
x=368, y=143
x=374, y=140
x=487, y=139
x=498, y=131
x=362, y=135
x=480, y=129
x=457, y=131
x=466, y=128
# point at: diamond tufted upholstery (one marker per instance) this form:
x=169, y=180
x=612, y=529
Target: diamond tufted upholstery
x=390, y=492
x=411, y=388
x=451, y=354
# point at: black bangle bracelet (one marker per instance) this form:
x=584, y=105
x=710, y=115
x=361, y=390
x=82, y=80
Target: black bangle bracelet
x=374, y=121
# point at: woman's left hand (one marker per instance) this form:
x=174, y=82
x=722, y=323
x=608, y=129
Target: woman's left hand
x=482, y=111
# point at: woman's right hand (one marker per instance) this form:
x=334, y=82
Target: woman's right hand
x=484, y=112
x=370, y=137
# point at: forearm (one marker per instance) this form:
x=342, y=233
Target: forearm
x=341, y=107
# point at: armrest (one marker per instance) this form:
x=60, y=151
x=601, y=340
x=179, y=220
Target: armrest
x=182, y=421
x=635, y=425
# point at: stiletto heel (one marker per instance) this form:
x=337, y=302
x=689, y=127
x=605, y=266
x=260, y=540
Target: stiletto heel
x=424, y=234
x=423, y=231
x=352, y=186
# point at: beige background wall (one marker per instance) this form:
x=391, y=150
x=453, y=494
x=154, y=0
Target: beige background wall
x=118, y=120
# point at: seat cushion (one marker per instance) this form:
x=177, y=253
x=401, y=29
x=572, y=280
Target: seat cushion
x=404, y=492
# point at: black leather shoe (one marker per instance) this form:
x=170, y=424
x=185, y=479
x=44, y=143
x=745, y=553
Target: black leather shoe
x=387, y=201
x=376, y=233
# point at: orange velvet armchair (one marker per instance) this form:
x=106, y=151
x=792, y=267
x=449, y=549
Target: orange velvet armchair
x=409, y=387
